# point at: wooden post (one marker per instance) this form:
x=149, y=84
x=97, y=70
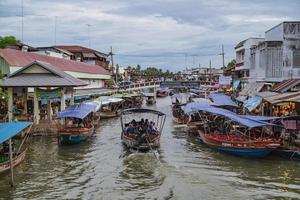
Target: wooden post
x=25, y=100
x=10, y=103
x=62, y=101
x=36, y=109
x=72, y=97
x=11, y=163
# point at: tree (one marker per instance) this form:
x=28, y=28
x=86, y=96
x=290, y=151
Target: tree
x=7, y=41
x=231, y=64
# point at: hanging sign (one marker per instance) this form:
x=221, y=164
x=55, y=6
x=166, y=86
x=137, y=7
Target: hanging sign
x=48, y=94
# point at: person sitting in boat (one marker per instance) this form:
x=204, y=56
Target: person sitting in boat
x=130, y=129
x=5, y=147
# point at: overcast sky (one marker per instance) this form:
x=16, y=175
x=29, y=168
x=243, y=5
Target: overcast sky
x=170, y=34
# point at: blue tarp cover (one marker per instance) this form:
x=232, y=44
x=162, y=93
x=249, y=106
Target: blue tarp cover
x=190, y=107
x=235, y=84
x=241, y=98
x=232, y=116
x=253, y=102
x=10, y=129
x=220, y=99
x=79, y=111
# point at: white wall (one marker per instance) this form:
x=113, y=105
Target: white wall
x=275, y=33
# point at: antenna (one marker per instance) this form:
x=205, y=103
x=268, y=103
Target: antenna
x=22, y=18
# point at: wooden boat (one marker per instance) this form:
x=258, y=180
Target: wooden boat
x=111, y=107
x=8, y=131
x=179, y=116
x=236, y=134
x=162, y=92
x=17, y=159
x=150, y=98
x=239, y=146
x=141, y=135
x=76, y=124
x=290, y=138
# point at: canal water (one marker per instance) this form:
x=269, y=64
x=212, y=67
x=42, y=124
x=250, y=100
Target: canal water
x=102, y=169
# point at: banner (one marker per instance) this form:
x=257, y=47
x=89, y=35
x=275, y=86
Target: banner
x=48, y=94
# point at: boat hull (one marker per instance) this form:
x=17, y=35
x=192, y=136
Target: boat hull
x=106, y=115
x=5, y=166
x=240, y=148
x=134, y=143
x=74, y=137
x=288, y=154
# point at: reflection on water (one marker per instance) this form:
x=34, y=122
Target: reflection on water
x=101, y=168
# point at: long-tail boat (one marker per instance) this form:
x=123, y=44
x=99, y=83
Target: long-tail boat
x=142, y=128
x=235, y=134
x=162, y=92
x=75, y=124
x=110, y=107
x=290, y=138
x=7, y=131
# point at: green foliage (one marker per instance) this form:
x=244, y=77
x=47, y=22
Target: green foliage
x=3, y=92
x=230, y=65
x=7, y=41
x=148, y=72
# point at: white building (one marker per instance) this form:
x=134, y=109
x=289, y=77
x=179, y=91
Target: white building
x=243, y=57
x=277, y=57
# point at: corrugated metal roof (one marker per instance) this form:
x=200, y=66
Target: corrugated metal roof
x=80, y=49
x=56, y=78
x=283, y=97
x=20, y=59
x=89, y=55
x=266, y=94
x=252, y=88
x=285, y=85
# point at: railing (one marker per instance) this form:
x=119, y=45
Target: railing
x=141, y=85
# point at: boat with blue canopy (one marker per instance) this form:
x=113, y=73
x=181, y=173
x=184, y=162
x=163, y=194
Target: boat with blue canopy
x=142, y=128
x=9, y=156
x=75, y=124
x=235, y=134
x=222, y=100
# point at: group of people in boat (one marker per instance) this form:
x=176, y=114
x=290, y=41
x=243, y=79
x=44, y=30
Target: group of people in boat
x=141, y=127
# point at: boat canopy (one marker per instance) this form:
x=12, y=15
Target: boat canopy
x=236, y=84
x=250, y=123
x=190, y=107
x=142, y=110
x=220, y=99
x=253, y=102
x=10, y=129
x=95, y=103
x=79, y=111
x=241, y=98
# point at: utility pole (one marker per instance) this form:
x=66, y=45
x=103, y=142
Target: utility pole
x=22, y=18
x=112, y=63
x=88, y=25
x=223, y=54
x=210, y=71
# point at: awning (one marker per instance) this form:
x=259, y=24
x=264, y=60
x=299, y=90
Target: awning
x=285, y=97
x=266, y=94
x=236, y=84
x=252, y=88
x=10, y=129
x=222, y=100
x=286, y=85
x=253, y=102
x=193, y=106
x=79, y=111
x=142, y=110
x=233, y=116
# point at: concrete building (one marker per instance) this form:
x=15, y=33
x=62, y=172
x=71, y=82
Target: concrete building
x=276, y=58
x=94, y=76
x=243, y=57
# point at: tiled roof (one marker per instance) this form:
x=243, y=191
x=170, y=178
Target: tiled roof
x=21, y=59
x=252, y=88
x=56, y=78
x=285, y=85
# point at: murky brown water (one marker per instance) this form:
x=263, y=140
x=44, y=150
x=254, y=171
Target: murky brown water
x=101, y=169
